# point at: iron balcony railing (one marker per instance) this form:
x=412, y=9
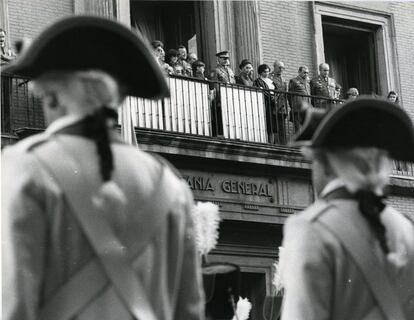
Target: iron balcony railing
x=195, y=107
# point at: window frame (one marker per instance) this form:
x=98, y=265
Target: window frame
x=388, y=68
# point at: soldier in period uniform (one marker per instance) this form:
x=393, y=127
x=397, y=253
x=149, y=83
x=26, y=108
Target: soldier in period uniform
x=93, y=228
x=350, y=255
x=299, y=84
x=223, y=72
x=324, y=86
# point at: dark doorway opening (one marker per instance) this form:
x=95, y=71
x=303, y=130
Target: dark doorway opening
x=172, y=22
x=350, y=52
x=253, y=287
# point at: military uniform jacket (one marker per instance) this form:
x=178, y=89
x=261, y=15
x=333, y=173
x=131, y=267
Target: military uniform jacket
x=43, y=245
x=321, y=280
x=298, y=85
x=223, y=74
x=325, y=88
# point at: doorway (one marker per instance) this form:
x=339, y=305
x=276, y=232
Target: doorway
x=350, y=50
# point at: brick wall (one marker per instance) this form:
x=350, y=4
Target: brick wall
x=403, y=13
x=404, y=204
x=287, y=34
x=28, y=18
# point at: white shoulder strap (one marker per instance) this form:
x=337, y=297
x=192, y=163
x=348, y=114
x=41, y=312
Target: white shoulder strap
x=361, y=252
x=111, y=257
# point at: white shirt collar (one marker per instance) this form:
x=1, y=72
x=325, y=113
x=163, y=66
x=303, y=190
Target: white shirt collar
x=63, y=122
x=331, y=186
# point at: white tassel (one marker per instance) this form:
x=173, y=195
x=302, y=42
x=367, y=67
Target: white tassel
x=278, y=275
x=242, y=309
x=399, y=235
x=206, y=223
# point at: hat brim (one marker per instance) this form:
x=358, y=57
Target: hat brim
x=86, y=43
x=368, y=122
x=313, y=117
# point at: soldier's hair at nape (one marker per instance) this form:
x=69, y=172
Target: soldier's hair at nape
x=91, y=89
x=365, y=171
x=94, y=94
x=360, y=168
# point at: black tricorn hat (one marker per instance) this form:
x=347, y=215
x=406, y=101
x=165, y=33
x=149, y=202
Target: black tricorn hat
x=365, y=122
x=84, y=43
x=221, y=287
x=311, y=118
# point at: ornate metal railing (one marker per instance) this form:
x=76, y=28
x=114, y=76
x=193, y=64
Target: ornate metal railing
x=195, y=107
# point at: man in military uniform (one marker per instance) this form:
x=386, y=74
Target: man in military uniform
x=182, y=60
x=281, y=100
x=300, y=85
x=324, y=86
x=350, y=255
x=223, y=72
x=93, y=228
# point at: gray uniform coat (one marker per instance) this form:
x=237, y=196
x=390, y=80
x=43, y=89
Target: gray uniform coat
x=43, y=245
x=321, y=279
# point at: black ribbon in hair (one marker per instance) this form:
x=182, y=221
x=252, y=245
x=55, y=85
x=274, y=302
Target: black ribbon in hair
x=95, y=128
x=371, y=206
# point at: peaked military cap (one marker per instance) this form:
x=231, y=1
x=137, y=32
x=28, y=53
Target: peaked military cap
x=363, y=122
x=223, y=54
x=85, y=42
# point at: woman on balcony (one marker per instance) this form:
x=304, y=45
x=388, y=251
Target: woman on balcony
x=266, y=84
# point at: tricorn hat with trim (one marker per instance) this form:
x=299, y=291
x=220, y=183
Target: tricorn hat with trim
x=84, y=43
x=363, y=122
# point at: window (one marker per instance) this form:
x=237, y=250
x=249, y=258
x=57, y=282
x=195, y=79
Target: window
x=350, y=52
x=359, y=45
x=172, y=22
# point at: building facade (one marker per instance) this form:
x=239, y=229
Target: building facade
x=257, y=185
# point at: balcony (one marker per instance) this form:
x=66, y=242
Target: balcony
x=217, y=112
